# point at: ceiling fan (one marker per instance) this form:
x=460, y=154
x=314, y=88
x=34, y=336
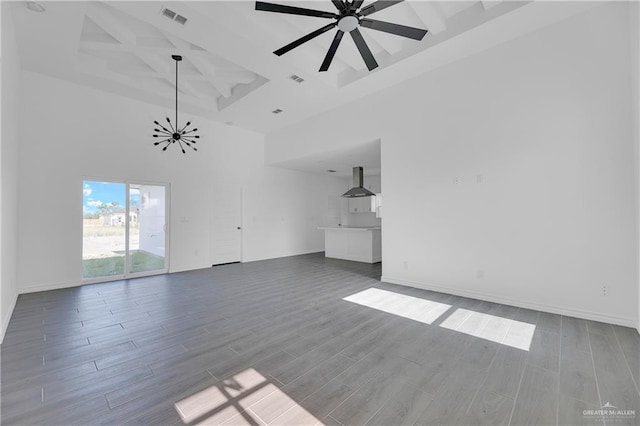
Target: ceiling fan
x=348, y=19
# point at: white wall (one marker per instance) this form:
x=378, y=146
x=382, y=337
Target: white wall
x=281, y=208
x=71, y=132
x=634, y=24
x=11, y=97
x=546, y=120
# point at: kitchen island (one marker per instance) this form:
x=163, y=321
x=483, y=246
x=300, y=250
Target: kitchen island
x=361, y=244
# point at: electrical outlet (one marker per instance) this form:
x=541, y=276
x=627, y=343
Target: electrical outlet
x=480, y=274
x=604, y=291
x=406, y=265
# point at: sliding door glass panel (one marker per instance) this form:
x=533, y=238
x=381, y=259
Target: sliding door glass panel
x=147, y=228
x=103, y=229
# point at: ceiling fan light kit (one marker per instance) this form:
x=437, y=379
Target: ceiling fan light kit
x=348, y=19
x=183, y=136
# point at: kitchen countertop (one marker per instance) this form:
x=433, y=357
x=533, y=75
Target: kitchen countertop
x=350, y=228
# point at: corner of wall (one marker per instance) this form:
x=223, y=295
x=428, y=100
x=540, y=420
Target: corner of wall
x=634, y=27
x=11, y=77
x=7, y=318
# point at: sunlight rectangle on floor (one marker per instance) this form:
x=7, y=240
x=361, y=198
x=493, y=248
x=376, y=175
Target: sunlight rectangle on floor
x=229, y=402
x=414, y=308
x=516, y=334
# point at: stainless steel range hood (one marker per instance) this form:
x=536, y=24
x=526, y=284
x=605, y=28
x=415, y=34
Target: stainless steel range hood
x=358, y=189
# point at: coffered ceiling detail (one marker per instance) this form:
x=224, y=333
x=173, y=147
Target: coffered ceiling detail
x=117, y=46
x=229, y=72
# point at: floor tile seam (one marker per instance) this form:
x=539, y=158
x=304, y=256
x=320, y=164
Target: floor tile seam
x=528, y=364
x=626, y=361
x=67, y=398
x=484, y=380
x=159, y=388
x=355, y=390
x=594, y=331
x=569, y=357
x=593, y=365
x=559, y=373
x=43, y=373
x=515, y=398
x=338, y=422
x=576, y=399
x=315, y=367
x=623, y=364
x=62, y=335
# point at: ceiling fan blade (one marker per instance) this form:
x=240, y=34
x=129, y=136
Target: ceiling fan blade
x=332, y=51
x=280, y=8
x=339, y=5
x=355, y=5
x=378, y=6
x=388, y=27
x=364, y=49
x=304, y=39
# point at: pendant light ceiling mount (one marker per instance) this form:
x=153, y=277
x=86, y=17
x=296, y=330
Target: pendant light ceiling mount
x=183, y=136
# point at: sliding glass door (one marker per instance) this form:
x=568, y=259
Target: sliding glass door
x=124, y=230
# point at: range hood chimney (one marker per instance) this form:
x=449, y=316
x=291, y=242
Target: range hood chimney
x=358, y=189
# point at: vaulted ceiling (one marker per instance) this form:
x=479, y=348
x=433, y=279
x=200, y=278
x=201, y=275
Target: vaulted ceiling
x=229, y=72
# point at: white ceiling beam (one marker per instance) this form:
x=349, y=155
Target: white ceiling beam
x=155, y=74
x=390, y=43
x=112, y=47
x=488, y=4
x=105, y=20
x=235, y=75
x=430, y=15
x=205, y=69
x=163, y=68
x=201, y=65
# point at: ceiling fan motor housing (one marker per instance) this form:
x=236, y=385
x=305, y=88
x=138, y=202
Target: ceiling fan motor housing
x=348, y=23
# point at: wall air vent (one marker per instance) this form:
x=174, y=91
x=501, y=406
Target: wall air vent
x=173, y=16
x=296, y=78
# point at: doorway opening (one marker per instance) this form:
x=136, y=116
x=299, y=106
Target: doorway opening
x=124, y=229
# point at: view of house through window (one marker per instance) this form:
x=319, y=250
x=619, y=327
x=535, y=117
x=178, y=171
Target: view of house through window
x=123, y=229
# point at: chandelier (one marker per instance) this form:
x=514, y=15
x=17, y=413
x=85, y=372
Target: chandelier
x=183, y=136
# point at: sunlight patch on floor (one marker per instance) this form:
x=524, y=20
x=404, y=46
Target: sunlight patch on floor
x=229, y=402
x=410, y=307
x=516, y=334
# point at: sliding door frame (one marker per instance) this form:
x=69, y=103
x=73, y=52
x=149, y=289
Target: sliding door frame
x=167, y=230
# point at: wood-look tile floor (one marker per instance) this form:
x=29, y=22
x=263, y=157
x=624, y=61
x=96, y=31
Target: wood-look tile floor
x=273, y=342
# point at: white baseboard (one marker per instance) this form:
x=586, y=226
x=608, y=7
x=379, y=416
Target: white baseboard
x=278, y=256
x=56, y=286
x=7, y=318
x=184, y=268
x=562, y=310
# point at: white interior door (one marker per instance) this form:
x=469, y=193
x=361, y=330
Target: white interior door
x=226, y=225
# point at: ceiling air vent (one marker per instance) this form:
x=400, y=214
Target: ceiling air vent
x=296, y=78
x=173, y=16
x=180, y=19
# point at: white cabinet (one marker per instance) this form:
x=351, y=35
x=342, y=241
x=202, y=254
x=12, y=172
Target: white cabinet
x=353, y=244
x=378, y=204
x=362, y=205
